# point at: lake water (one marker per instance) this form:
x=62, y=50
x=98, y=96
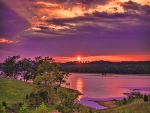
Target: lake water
x=111, y=86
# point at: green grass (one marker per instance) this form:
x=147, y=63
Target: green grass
x=136, y=106
x=13, y=91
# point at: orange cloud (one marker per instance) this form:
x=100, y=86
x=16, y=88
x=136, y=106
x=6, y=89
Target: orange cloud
x=48, y=10
x=3, y=40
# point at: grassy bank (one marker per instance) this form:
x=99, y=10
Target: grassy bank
x=13, y=91
x=136, y=106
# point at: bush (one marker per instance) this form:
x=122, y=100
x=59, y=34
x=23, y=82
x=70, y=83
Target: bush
x=4, y=104
x=126, y=111
x=90, y=111
x=119, y=102
x=2, y=108
x=27, y=96
x=24, y=109
x=125, y=100
x=145, y=98
x=20, y=104
x=42, y=108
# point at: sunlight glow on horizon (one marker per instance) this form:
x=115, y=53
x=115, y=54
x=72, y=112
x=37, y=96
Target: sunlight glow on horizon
x=111, y=58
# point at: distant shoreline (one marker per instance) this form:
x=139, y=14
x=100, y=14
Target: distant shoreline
x=112, y=74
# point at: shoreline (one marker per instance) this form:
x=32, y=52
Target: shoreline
x=100, y=103
x=106, y=103
x=136, y=74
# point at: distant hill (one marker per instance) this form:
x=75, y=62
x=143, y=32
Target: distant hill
x=126, y=67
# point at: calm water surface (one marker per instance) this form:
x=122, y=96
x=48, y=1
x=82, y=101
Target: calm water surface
x=96, y=86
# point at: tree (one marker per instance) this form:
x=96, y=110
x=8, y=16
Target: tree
x=67, y=101
x=26, y=68
x=40, y=66
x=50, y=77
x=124, y=100
x=145, y=98
x=44, y=83
x=59, y=77
x=10, y=67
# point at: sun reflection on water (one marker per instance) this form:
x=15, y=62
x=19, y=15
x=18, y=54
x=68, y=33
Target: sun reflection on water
x=79, y=86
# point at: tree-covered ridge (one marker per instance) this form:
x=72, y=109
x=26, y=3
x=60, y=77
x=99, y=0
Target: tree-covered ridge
x=128, y=67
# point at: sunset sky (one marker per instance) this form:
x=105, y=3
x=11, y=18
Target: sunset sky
x=112, y=30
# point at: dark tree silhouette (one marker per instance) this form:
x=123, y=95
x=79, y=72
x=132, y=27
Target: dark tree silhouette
x=10, y=67
x=145, y=98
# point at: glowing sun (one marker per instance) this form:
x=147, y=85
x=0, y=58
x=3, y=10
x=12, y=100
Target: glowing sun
x=79, y=58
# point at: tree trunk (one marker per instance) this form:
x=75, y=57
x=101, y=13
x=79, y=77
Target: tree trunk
x=49, y=98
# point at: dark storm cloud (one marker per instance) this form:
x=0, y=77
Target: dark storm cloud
x=43, y=27
x=133, y=6
x=86, y=4
x=99, y=17
x=124, y=16
x=146, y=8
x=95, y=16
x=48, y=31
x=63, y=21
x=114, y=15
x=74, y=2
x=101, y=20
